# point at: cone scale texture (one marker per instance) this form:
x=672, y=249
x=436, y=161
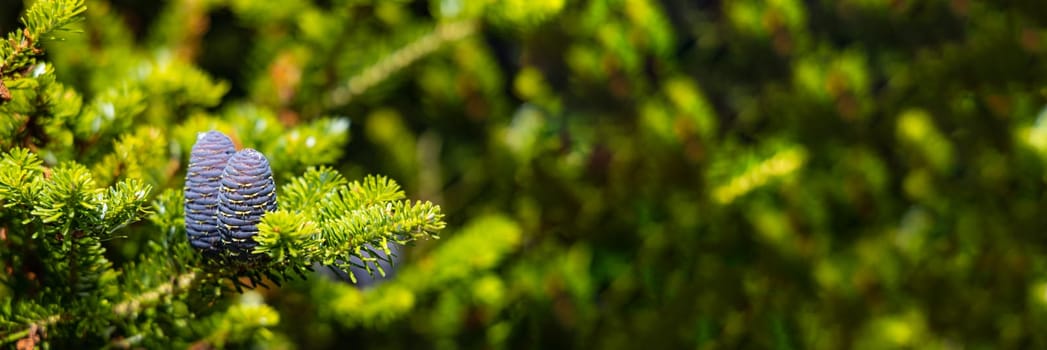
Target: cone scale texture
x=207, y=161
x=246, y=192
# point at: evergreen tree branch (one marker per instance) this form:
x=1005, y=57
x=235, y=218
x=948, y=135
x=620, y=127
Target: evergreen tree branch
x=29, y=330
x=19, y=181
x=398, y=60
x=70, y=216
x=177, y=284
x=123, y=309
x=334, y=222
x=43, y=18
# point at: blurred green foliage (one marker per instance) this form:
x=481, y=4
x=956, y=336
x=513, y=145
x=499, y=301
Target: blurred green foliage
x=780, y=174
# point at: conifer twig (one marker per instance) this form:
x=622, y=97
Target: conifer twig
x=31, y=328
x=148, y=298
x=122, y=309
x=399, y=59
x=43, y=18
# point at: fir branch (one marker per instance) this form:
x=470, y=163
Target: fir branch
x=71, y=216
x=123, y=204
x=66, y=196
x=138, y=155
x=31, y=328
x=19, y=182
x=398, y=60
x=372, y=191
x=285, y=234
x=330, y=221
x=311, y=187
x=137, y=303
x=400, y=221
x=124, y=309
x=40, y=20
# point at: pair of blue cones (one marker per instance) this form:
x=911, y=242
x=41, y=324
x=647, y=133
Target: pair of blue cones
x=226, y=194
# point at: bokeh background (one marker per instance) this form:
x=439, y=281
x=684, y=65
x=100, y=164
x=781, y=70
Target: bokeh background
x=784, y=174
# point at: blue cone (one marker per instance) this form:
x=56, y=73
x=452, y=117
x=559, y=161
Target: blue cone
x=246, y=192
x=207, y=160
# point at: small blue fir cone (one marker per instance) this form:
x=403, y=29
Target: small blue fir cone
x=246, y=193
x=207, y=160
